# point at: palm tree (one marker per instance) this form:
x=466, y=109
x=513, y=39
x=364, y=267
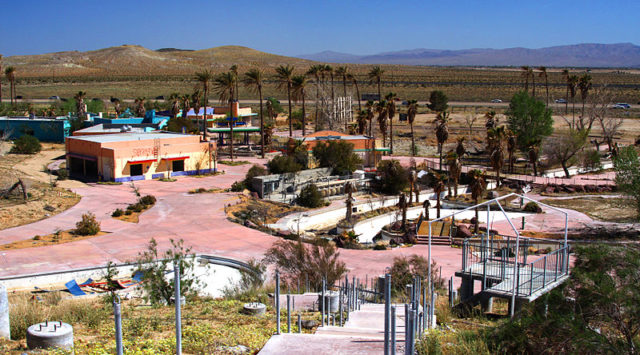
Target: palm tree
x=10, y=73
x=362, y=122
x=426, y=204
x=196, y=101
x=284, y=73
x=80, y=107
x=490, y=122
x=205, y=79
x=254, y=79
x=174, y=99
x=584, y=84
x=140, y=110
x=391, y=113
x=344, y=73
x=224, y=85
x=185, y=101
x=533, y=151
x=455, y=170
x=511, y=148
x=526, y=71
x=533, y=82
x=375, y=75
x=315, y=71
x=234, y=70
x=460, y=149
x=477, y=186
x=438, y=189
x=370, y=114
x=497, y=151
x=354, y=80
x=543, y=74
x=565, y=75
x=328, y=70
x=412, y=185
x=442, y=132
x=298, y=87
x=116, y=106
x=381, y=110
x=572, y=82
x=412, y=110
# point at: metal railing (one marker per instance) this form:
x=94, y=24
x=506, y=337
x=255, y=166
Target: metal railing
x=539, y=273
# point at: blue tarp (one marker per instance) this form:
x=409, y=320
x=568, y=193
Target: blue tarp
x=74, y=289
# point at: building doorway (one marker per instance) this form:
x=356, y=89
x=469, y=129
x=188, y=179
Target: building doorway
x=177, y=165
x=135, y=169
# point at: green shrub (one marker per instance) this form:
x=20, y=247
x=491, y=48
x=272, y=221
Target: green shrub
x=591, y=160
x=310, y=197
x=63, y=174
x=237, y=186
x=88, y=225
x=128, y=212
x=256, y=170
x=393, y=177
x=337, y=155
x=283, y=164
x=148, y=200
x=532, y=207
x=26, y=144
x=380, y=247
x=117, y=213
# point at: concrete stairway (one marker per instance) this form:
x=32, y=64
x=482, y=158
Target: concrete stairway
x=439, y=234
x=363, y=333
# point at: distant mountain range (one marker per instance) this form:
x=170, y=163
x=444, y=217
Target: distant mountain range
x=578, y=55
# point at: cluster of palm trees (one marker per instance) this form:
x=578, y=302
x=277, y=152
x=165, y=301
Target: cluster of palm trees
x=10, y=74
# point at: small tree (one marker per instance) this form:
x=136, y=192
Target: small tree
x=529, y=119
x=438, y=101
x=254, y=171
x=26, y=144
x=283, y=164
x=337, y=155
x=404, y=269
x=310, y=197
x=627, y=167
x=155, y=265
x=563, y=149
x=393, y=177
x=88, y=225
x=300, y=262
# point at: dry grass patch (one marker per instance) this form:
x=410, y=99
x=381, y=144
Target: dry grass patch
x=616, y=209
x=59, y=237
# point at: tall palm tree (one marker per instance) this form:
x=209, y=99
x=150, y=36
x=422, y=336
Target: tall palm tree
x=565, y=75
x=117, y=106
x=442, y=132
x=234, y=70
x=80, y=107
x=490, y=122
x=224, y=85
x=477, y=186
x=455, y=170
x=511, y=148
x=196, y=102
x=362, y=122
x=284, y=73
x=584, y=84
x=438, y=189
x=205, y=78
x=10, y=73
x=412, y=185
x=533, y=82
x=391, y=113
x=344, y=73
x=298, y=87
x=460, y=149
x=497, y=151
x=174, y=99
x=354, y=80
x=254, y=79
x=572, y=82
x=185, y=101
x=375, y=75
x=328, y=70
x=543, y=74
x=140, y=110
x=412, y=110
x=526, y=71
x=533, y=151
x=382, y=111
x=370, y=114
x=315, y=71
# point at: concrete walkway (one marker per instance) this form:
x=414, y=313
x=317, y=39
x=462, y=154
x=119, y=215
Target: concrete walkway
x=363, y=333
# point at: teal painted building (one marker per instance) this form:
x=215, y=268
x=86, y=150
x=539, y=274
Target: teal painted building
x=53, y=130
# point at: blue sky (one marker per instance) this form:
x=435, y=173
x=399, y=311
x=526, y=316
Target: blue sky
x=291, y=27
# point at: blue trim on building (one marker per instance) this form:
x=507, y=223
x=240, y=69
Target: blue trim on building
x=161, y=175
x=157, y=176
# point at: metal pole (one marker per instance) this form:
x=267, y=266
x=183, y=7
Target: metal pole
x=176, y=274
x=299, y=323
x=393, y=330
x=323, y=301
x=407, y=331
x=387, y=311
x=288, y=313
x=340, y=307
x=277, y=302
x=118, y=320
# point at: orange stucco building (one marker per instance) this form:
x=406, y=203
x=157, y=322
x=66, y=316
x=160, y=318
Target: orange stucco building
x=368, y=148
x=138, y=156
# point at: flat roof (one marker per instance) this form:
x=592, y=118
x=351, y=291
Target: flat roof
x=108, y=138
